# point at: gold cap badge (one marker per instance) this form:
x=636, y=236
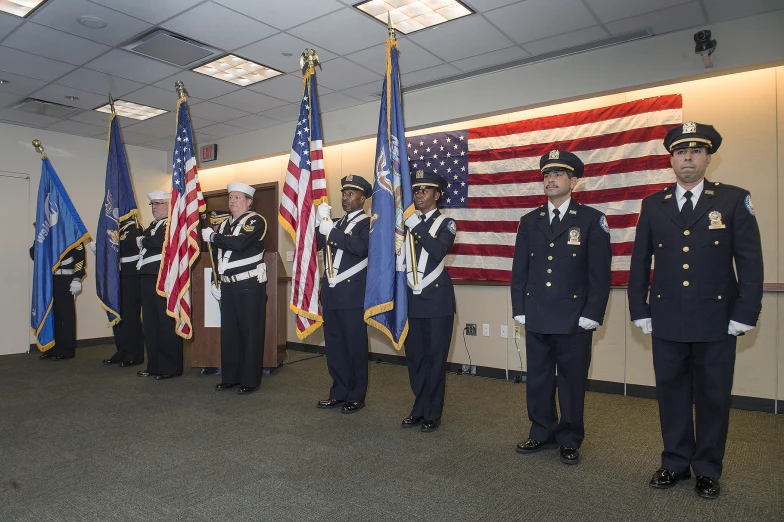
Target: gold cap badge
x=350, y=177
x=555, y=154
x=689, y=127
x=420, y=174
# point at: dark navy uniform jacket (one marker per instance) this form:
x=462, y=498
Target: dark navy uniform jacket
x=349, y=293
x=695, y=292
x=73, y=261
x=437, y=299
x=152, y=242
x=554, y=283
x=247, y=244
x=129, y=250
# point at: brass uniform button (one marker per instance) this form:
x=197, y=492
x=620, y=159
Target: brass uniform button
x=574, y=254
x=719, y=298
x=685, y=283
x=715, y=242
x=658, y=296
x=548, y=283
x=686, y=232
x=549, y=258
x=552, y=245
x=549, y=270
x=686, y=266
x=575, y=296
x=660, y=245
x=686, y=249
x=532, y=254
x=349, y=280
x=528, y=293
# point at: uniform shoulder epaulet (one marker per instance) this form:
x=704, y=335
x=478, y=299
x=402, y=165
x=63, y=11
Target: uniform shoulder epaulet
x=717, y=185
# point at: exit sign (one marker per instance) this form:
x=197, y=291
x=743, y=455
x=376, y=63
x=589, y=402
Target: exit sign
x=209, y=152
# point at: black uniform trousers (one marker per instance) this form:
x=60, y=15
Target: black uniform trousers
x=345, y=336
x=243, y=312
x=164, y=346
x=64, y=310
x=699, y=374
x=128, y=333
x=427, y=349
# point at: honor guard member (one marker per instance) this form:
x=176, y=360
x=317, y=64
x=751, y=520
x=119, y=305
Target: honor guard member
x=128, y=334
x=431, y=301
x=67, y=282
x=239, y=259
x=697, y=305
x=343, y=295
x=164, y=346
x=560, y=288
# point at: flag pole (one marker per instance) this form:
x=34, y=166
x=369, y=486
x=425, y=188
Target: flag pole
x=39, y=148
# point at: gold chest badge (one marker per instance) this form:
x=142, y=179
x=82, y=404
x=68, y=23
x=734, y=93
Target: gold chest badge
x=574, y=236
x=715, y=220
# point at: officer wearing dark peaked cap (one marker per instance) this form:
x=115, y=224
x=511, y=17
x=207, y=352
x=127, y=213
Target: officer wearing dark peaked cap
x=706, y=290
x=431, y=301
x=560, y=288
x=343, y=295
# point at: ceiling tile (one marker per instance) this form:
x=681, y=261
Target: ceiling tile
x=45, y=41
x=8, y=99
x=26, y=118
x=78, y=128
x=214, y=112
x=428, y=75
x=57, y=94
x=167, y=120
x=723, y=10
x=198, y=85
x=155, y=97
x=510, y=54
x=200, y=123
x=609, y=10
x=7, y=24
x=249, y=101
x=487, y=5
x=286, y=113
x=663, y=21
x=19, y=84
x=154, y=11
x=134, y=67
x=221, y=130
x=215, y=25
x=287, y=87
x=283, y=15
x=335, y=101
x=254, y=122
x=562, y=41
x=268, y=52
x=536, y=19
x=31, y=65
x=341, y=74
x=135, y=138
x=151, y=129
x=160, y=145
x=412, y=57
x=450, y=41
x=343, y=31
x=99, y=83
x=100, y=119
x=63, y=16
x=367, y=93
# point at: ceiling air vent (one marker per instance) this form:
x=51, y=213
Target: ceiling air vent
x=171, y=48
x=46, y=108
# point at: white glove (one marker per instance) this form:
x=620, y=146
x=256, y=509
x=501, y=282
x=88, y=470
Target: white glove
x=324, y=212
x=91, y=244
x=738, y=328
x=215, y=291
x=587, y=324
x=76, y=287
x=644, y=325
x=139, y=240
x=206, y=234
x=326, y=227
x=520, y=319
x=413, y=220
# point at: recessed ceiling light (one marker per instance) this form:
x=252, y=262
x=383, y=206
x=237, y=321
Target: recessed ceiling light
x=132, y=110
x=409, y=16
x=93, y=22
x=20, y=8
x=71, y=97
x=236, y=70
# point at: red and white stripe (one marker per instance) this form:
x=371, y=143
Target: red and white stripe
x=624, y=158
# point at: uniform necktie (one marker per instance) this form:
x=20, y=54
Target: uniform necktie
x=687, y=210
x=556, y=219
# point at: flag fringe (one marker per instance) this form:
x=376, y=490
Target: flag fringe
x=380, y=309
x=108, y=310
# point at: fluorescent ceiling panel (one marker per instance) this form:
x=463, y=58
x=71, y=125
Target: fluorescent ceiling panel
x=237, y=70
x=408, y=16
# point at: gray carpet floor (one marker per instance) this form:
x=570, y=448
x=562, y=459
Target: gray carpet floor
x=83, y=442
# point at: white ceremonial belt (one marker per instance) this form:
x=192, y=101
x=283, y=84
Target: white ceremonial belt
x=223, y=266
x=66, y=261
x=147, y=260
x=239, y=277
x=129, y=259
x=64, y=271
x=342, y=276
x=424, y=281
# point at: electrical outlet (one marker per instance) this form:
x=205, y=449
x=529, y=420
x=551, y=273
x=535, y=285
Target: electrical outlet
x=516, y=332
x=466, y=368
x=473, y=369
x=504, y=331
x=289, y=255
x=486, y=330
x=470, y=329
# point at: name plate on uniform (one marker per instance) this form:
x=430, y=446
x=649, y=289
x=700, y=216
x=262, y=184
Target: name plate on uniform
x=574, y=236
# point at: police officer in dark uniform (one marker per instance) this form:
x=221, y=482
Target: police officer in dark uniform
x=239, y=259
x=343, y=295
x=560, y=288
x=128, y=334
x=697, y=305
x=431, y=301
x=164, y=346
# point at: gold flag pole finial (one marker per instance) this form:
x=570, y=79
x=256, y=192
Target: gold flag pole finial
x=111, y=103
x=308, y=60
x=390, y=27
x=180, y=88
x=38, y=147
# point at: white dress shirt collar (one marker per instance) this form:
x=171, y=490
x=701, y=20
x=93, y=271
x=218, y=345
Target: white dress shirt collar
x=695, y=194
x=562, y=209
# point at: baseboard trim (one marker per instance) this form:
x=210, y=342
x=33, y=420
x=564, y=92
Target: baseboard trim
x=83, y=343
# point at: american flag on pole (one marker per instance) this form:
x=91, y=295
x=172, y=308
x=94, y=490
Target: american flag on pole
x=181, y=247
x=494, y=178
x=304, y=190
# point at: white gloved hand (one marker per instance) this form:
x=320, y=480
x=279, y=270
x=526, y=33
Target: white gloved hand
x=91, y=244
x=325, y=227
x=323, y=211
x=76, y=287
x=587, y=324
x=413, y=220
x=736, y=328
x=139, y=240
x=644, y=325
x=206, y=234
x=520, y=319
x=215, y=291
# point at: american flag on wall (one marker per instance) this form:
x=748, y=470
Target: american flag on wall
x=494, y=178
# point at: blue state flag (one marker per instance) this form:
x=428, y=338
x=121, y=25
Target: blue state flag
x=58, y=230
x=118, y=204
x=386, y=305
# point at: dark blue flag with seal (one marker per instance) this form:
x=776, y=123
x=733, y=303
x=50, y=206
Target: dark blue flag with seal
x=58, y=229
x=386, y=305
x=118, y=205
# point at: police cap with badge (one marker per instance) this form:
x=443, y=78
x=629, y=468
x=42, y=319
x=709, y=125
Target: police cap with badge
x=690, y=135
x=355, y=182
x=422, y=178
x=561, y=160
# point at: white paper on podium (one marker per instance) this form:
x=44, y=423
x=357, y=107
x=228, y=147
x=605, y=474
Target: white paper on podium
x=212, y=314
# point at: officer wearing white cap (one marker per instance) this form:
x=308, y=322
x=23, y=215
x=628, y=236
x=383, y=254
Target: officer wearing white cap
x=560, y=288
x=343, y=295
x=164, y=346
x=706, y=290
x=239, y=260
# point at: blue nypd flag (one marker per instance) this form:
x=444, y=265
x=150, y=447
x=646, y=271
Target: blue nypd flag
x=119, y=203
x=386, y=305
x=58, y=230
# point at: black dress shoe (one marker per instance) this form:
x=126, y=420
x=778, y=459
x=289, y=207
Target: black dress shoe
x=352, y=407
x=144, y=373
x=430, y=425
x=226, y=386
x=126, y=364
x=62, y=357
x=161, y=377
x=329, y=403
x=412, y=421
x=570, y=455
x=707, y=487
x=665, y=479
x=532, y=446
x=45, y=356
x=244, y=390
x=109, y=362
